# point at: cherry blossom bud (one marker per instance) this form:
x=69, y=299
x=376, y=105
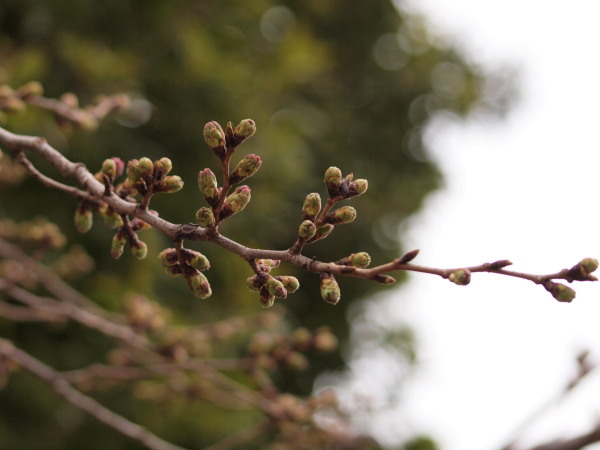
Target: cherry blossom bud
x=214, y=135
x=139, y=249
x=200, y=285
x=560, y=292
x=120, y=166
x=109, y=168
x=358, y=187
x=461, y=277
x=266, y=265
x=345, y=214
x=171, y=183
x=325, y=340
x=360, y=260
x=589, y=265
x=311, y=207
x=168, y=257
x=254, y=283
x=112, y=219
x=236, y=202
x=330, y=291
x=205, y=217
x=245, y=168
x=245, y=129
x=118, y=245
x=333, y=180
x=132, y=171
x=266, y=299
x=307, y=230
x=322, y=232
x=83, y=217
x=174, y=271
x=276, y=288
x=197, y=260
x=145, y=167
x=162, y=167
x=291, y=284
x=207, y=183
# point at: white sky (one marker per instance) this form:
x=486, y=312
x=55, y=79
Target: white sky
x=525, y=190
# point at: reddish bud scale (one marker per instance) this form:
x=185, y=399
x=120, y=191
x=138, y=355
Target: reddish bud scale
x=266, y=299
x=291, y=284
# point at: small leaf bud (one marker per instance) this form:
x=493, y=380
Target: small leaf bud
x=360, y=260
x=83, y=217
x=461, y=277
x=171, y=183
x=162, y=167
x=245, y=129
x=200, y=285
x=168, y=257
x=358, y=187
x=560, y=292
x=145, y=167
x=266, y=300
x=139, y=249
x=236, y=202
x=207, y=183
x=322, y=232
x=345, y=214
x=333, y=180
x=330, y=291
x=214, y=135
x=311, y=207
x=291, y=284
x=276, y=288
x=247, y=167
x=205, y=217
x=307, y=230
x=384, y=279
x=109, y=168
x=197, y=260
x=118, y=245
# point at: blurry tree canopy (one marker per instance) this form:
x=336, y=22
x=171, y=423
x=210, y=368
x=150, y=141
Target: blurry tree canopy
x=328, y=82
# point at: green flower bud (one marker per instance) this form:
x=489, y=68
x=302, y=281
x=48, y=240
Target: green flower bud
x=253, y=283
x=132, y=171
x=266, y=300
x=461, y=277
x=266, y=265
x=330, y=291
x=168, y=257
x=120, y=166
x=139, y=249
x=207, y=183
x=311, y=207
x=307, y=230
x=245, y=129
x=291, y=284
x=118, y=245
x=83, y=217
x=171, y=183
x=360, y=260
x=358, y=187
x=345, y=214
x=109, y=168
x=112, y=219
x=214, y=135
x=205, y=217
x=333, y=180
x=162, y=167
x=322, y=232
x=200, y=285
x=276, y=288
x=245, y=168
x=560, y=292
x=173, y=271
x=589, y=265
x=145, y=168
x=197, y=260
x=236, y=202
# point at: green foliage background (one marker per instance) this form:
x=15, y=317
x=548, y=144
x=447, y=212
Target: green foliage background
x=328, y=82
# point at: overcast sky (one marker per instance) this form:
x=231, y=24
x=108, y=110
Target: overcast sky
x=526, y=190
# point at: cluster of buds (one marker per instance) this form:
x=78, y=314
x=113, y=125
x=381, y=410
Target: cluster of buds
x=337, y=185
x=223, y=144
x=273, y=350
x=271, y=287
x=14, y=100
x=190, y=264
x=127, y=232
x=148, y=177
x=39, y=234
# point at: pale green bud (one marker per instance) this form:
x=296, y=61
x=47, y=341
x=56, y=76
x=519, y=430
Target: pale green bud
x=333, y=180
x=83, y=217
x=118, y=245
x=345, y=214
x=163, y=166
x=171, y=183
x=253, y=283
x=291, y=284
x=197, y=260
x=245, y=128
x=560, y=292
x=139, y=249
x=311, y=207
x=207, y=183
x=358, y=187
x=200, y=285
x=145, y=167
x=214, y=135
x=360, y=259
x=323, y=231
x=307, y=230
x=589, y=265
x=247, y=167
x=461, y=277
x=330, y=291
x=205, y=217
x=168, y=257
x=276, y=288
x=109, y=168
